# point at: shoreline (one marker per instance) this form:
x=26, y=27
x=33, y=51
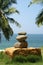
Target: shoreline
x=2, y=50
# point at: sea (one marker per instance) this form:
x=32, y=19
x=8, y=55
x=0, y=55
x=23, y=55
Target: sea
x=33, y=40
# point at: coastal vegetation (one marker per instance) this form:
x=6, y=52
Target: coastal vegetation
x=6, y=9
x=21, y=60
x=5, y=59
x=39, y=17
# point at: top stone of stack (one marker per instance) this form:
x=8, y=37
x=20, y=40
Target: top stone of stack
x=22, y=33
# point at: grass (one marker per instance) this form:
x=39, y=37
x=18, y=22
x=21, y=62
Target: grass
x=29, y=58
x=6, y=60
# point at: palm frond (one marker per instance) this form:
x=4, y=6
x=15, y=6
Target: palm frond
x=3, y=21
x=5, y=27
x=13, y=21
x=8, y=32
x=30, y=4
x=35, y=1
x=7, y=3
x=40, y=14
x=1, y=3
x=14, y=1
x=39, y=18
x=5, y=9
x=11, y=10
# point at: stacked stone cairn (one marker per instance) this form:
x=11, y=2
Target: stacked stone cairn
x=20, y=47
x=22, y=43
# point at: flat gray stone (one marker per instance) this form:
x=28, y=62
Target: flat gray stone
x=22, y=33
x=21, y=37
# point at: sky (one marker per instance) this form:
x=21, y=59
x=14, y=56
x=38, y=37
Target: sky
x=27, y=17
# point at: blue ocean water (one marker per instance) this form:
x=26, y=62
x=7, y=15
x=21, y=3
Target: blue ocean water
x=34, y=40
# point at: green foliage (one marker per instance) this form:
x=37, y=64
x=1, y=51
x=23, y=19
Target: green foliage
x=37, y=1
x=39, y=18
x=1, y=55
x=20, y=58
x=34, y=58
x=11, y=10
x=5, y=11
x=6, y=60
x=6, y=3
x=29, y=58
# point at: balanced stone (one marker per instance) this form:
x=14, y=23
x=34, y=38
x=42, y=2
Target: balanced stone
x=21, y=37
x=22, y=33
x=23, y=44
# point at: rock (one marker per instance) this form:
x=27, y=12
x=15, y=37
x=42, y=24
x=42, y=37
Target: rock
x=22, y=33
x=23, y=44
x=21, y=37
x=17, y=45
x=22, y=51
x=27, y=51
x=9, y=51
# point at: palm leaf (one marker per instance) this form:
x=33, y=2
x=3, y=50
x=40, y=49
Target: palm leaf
x=35, y=1
x=1, y=3
x=30, y=4
x=7, y=3
x=39, y=18
x=5, y=27
x=4, y=20
x=13, y=21
x=11, y=10
x=7, y=31
x=14, y=1
x=40, y=14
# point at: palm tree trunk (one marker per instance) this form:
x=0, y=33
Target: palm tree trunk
x=0, y=35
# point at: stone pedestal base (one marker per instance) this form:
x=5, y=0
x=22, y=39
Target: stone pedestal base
x=22, y=51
